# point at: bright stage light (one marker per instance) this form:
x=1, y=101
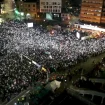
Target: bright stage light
x=90, y=27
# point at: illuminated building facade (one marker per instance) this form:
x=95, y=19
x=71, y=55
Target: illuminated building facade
x=92, y=11
x=43, y=8
x=28, y=8
x=52, y=7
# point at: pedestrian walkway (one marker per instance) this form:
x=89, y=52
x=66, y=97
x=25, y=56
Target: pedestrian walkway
x=75, y=94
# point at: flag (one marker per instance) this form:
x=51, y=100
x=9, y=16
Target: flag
x=43, y=69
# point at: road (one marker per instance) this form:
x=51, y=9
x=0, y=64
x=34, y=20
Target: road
x=14, y=100
x=86, y=91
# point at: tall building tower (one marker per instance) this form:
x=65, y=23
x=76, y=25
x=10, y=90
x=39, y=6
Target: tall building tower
x=28, y=8
x=91, y=10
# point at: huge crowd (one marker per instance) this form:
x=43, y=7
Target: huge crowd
x=41, y=46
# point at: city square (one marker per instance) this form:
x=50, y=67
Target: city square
x=52, y=53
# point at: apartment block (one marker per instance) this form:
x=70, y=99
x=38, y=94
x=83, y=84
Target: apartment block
x=27, y=8
x=52, y=6
x=92, y=11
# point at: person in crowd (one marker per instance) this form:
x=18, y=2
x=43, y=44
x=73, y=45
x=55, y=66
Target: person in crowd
x=17, y=74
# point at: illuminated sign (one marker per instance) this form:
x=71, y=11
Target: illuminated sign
x=30, y=24
x=90, y=27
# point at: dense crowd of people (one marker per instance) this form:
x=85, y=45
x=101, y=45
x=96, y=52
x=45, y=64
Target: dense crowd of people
x=41, y=46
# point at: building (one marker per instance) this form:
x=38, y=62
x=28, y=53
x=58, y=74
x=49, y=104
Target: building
x=103, y=13
x=44, y=9
x=28, y=8
x=52, y=8
x=92, y=11
x=65, y=16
